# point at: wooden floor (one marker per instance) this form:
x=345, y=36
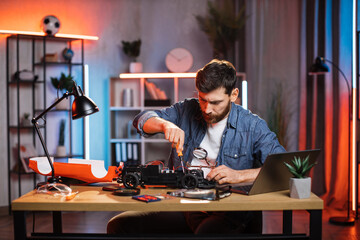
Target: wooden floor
x=95, y=222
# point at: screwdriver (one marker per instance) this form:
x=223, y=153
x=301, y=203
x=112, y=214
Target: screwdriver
x=180, y=155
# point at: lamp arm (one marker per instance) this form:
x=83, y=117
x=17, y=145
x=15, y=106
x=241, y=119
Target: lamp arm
x=342, y=73
x=66, y=95
x=36, y=126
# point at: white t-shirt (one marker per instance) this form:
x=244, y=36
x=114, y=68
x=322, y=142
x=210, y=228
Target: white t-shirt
x=211, y=143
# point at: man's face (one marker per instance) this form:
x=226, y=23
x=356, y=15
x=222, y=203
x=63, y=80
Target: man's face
x=215, y=105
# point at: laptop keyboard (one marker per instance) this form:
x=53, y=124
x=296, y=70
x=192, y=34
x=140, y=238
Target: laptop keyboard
x=244, y=189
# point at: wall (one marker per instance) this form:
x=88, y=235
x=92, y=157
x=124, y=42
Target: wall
x=162, y=25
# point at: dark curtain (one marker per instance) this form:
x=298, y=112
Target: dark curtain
x=282, y=40
x=324, y=119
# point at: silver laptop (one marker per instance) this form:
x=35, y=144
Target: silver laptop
x=274, y=175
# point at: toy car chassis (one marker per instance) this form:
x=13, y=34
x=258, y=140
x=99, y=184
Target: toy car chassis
x=133, y=176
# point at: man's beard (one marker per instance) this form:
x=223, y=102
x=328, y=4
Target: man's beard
x=211, y=118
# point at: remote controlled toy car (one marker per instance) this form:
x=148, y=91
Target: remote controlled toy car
x=133, y=176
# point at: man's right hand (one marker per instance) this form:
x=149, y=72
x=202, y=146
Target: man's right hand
x=173, y=133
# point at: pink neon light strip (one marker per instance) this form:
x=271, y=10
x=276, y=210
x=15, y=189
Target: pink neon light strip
x=62, y=35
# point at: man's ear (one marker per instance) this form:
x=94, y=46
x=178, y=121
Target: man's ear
x=234, y=94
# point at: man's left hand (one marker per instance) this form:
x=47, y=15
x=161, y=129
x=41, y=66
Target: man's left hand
x=223, y=174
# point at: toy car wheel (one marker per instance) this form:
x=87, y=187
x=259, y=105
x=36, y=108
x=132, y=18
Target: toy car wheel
x=197, y=172
x=189, y=181
x=131, y=180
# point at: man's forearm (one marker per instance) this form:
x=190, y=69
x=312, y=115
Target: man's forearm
x=172, y=132
x=248, y=175
x=223, y=174
x=154, y=125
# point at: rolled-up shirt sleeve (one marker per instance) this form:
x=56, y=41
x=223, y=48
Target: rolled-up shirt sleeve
x=140, y=120
x=172, y=114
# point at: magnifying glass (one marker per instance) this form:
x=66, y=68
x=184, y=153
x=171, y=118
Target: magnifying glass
x=201, y=154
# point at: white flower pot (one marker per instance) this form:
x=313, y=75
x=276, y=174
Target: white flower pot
x=135, y=67
x=61, y=151
x=300, y=187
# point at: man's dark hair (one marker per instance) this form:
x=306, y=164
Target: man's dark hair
x=216, y=74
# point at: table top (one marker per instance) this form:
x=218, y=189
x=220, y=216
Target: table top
x=90, y=198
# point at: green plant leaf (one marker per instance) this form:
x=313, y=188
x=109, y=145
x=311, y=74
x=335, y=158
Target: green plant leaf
x=299, y=167
x=132, y=49
x=222, y=25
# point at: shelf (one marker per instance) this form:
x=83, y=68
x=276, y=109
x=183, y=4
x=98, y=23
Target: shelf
x=21, y=172
x=127, y=140
x=21, y=82
x=147, y=140
x=133, y=140
x=68, y=156
x=33, y=96
x=125, y=108
x=56, y=63
x=53, y=110
x=41, y=36
x=177, y=86
x=14, y=127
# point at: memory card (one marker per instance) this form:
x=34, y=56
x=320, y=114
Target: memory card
x=146, y=198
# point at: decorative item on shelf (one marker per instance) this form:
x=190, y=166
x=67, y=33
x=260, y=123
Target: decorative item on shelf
x=67, y=54
x=64, y=83
x=128, y=97
x=50, y=24
x=300, y=184
x=25, y=120
x=25, y=75
x=179, y=60
x=132, y=50
x=158, y=96
x=50, y=58
x=82, y=106
x=222, y=27
x=61, y=149
x=27, y=151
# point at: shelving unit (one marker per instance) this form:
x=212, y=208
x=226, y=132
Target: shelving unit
x=27, y=51
x=177, y=86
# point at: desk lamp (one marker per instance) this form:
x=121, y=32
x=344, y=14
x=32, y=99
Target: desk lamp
x=81, y=107
x=320, y=67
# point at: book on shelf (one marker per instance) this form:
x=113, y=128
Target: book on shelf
x=117, y=153
x=151, y=88
x=126, y=152
x=155, y=92
x=123, y=152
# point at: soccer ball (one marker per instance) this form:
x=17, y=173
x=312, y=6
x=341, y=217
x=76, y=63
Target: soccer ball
x=50, y=25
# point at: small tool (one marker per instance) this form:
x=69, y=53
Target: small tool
x=180, y=155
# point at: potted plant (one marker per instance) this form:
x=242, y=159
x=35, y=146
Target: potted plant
x=64, y=83
x=61, y=149
x=132, y=50
x=222, y=26
x=25, y=120
x=300, y=184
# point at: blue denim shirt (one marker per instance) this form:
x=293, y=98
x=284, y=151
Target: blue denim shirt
x=245, y=143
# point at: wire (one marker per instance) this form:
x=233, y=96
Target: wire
x=156, y=162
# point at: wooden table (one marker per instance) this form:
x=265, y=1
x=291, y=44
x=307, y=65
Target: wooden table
x=94, y=199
